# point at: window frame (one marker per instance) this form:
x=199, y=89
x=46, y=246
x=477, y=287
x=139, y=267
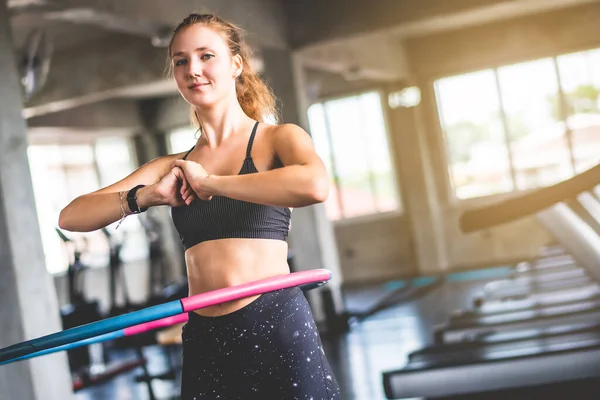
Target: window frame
x=434, y=123
x=91, y=140
x=381, y=92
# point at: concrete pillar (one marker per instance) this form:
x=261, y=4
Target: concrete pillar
x=28, y=302
x=312, y=238
x=419, y=194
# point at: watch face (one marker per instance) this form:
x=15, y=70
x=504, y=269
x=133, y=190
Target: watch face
x=132, y=200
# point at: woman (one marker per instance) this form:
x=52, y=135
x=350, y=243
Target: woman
x=231, y=197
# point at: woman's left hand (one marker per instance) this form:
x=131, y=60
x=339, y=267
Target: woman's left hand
x=197, y=177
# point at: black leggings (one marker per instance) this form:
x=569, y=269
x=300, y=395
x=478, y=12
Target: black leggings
x=268, y=350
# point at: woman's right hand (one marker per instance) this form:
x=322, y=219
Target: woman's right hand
x=174, y=190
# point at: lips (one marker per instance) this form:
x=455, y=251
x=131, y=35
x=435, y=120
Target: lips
x=197, y=85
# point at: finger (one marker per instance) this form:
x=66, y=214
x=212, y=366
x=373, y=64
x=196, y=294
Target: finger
x=190, y=196
x=185, y=195
x=188, y=191
x=179, y=163
x=177, y=173
x=180, y=175
x=184, y=187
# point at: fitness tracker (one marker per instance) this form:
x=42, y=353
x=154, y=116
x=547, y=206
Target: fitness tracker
x=132, y=200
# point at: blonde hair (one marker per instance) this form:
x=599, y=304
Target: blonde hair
x=255, y=97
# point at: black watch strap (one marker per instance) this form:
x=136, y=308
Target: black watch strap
x=132, y=200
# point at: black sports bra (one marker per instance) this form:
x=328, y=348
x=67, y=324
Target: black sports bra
x=224, y=217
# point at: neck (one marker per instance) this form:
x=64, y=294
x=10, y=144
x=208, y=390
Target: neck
x=221, y=121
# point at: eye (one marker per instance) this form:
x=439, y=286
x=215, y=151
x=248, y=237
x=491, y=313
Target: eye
x=207, y=56
x=180, y=62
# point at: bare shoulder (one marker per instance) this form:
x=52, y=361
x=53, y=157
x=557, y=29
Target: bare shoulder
x=287, y=134
x=291, y=144
x=289, y=129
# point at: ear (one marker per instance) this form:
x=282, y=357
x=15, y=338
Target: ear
x=238, y=65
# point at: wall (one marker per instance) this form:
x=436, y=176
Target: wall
x=375, y=249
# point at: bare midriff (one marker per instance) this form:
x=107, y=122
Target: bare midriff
x=217, y=264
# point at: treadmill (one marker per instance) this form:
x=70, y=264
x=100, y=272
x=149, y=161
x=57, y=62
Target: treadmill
x=555, y=354
x=557, y=273
x=569, y=307
x=539, y=269
x=553, y=267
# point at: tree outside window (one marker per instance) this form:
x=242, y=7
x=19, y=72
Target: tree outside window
x=521, y=126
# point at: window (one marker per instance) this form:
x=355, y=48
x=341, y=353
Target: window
x=351, y=138
x=580, y=81
x=62, y=172
x=521, y=126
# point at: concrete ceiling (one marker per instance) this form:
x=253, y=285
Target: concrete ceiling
x=73, y=22
x=102, y=46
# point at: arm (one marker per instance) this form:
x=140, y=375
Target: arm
x=302, y=180
x=98, y=209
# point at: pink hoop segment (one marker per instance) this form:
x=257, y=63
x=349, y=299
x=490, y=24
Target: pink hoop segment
x=161, y=323
x=225, y=295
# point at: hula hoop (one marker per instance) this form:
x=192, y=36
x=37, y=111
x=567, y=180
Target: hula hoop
x=155, y=317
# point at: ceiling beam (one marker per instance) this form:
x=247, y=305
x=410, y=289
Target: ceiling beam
x=97, y=71
x=120, y=113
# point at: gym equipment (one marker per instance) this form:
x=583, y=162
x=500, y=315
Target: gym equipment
x=131, y=323
x=542, y=267
x=562, y=273
x=585, y=306
x=110, y=371
x=587, y=207
x=559, y=354
x=117, y=277
x=531, y=303
x=541, y=362
x=568, y=314
x=79, y=310
x=539, y=276
x=158, y=268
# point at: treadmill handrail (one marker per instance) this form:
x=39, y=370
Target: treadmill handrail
x=528, y=204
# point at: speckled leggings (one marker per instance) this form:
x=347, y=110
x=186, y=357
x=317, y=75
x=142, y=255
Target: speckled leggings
x=268, y=350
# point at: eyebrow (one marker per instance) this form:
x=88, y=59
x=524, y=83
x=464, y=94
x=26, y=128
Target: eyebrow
x=181, y=53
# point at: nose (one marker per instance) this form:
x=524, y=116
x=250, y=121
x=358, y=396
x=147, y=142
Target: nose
x=194, y=67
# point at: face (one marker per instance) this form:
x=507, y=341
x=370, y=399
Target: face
x=203, y=67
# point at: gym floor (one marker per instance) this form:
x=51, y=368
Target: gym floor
x=378, y=343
